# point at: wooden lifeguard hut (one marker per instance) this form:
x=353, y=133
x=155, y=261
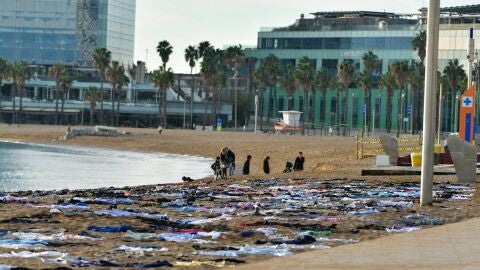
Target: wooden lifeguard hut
x=290, y=122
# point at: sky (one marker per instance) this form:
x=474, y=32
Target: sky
x=232, y=22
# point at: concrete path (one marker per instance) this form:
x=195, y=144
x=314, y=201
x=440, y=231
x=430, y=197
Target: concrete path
x=452, y=246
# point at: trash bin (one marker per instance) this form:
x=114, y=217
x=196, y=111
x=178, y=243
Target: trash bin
x=416, y=159
x=437, y=148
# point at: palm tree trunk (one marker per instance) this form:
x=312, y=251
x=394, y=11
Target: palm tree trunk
x=412, y=113
x=21, y=109
x=389, y=111
x=337, y=107
x=275, y=102
x=399, y=120
x=14, y=115
x=205, y=107
x=192, y=91
x=61, y=110
x=324, y=106
x=312, y=109
x=160, y=111
x=118, y=109
x=92, y=114
x=164, y=100
x=261, y=110
x=305, y=106
x=269, y=104
x=101, y=103
x=56, y=105
x=112, y=115
x=452, y=109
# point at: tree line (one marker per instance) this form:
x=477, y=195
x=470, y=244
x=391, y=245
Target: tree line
x=217, y=66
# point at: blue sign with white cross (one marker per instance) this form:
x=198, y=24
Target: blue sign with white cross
x=364, y=108
x=409, y=109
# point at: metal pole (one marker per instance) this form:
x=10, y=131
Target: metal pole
x=256, y=112
x=470, y=57
x=440, y=105
x=373, y=122
x=192, y=93
x=235, y=90
x=429, y=101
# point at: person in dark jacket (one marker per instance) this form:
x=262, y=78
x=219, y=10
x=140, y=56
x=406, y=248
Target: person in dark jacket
x=246, y=166
x=299, y=161
x=231, y=162
x=266, y=165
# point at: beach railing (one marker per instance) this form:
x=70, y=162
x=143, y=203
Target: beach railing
x=371, y=146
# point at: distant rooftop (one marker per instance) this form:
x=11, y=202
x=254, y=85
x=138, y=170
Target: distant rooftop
x=457, y=10
x=340, y=14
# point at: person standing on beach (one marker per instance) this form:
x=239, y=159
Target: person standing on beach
x=246, y=166
x=231, y=162
x=298, y=165
x=266, y=165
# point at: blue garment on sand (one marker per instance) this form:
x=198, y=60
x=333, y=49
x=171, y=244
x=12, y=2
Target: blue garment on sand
x=114, y=201
x=121, y=228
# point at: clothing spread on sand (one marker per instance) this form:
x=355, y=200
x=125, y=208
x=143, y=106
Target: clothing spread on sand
x=213, y=226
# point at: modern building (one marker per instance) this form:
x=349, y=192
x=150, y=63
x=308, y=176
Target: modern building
x=45, y=32
x=328, y=38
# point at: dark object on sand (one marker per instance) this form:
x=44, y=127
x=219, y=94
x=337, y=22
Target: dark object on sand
x=187, y=179
x=288, y=167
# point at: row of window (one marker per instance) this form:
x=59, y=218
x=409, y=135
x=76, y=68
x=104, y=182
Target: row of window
x=346, y=43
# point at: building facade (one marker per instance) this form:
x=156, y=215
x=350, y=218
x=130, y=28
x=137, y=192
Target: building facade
x=45, y=32
x=328, y=38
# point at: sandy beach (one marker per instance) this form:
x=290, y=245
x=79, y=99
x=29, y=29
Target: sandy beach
x=254, y=211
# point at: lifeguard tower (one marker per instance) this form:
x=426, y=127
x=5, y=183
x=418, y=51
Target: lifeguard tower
x=290, y=122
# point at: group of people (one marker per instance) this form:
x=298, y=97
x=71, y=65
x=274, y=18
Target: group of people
x=224, y=165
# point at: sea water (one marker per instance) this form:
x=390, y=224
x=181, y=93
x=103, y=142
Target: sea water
x=29, y=166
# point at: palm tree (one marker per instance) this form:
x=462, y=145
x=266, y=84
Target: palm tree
x=323, y=81
x=305, y=80
x=3, y=74
x=92, y=96
x=287, y=82
x=364, y=80
x=164, y=49
x=234, y=58
x=370, y=62
x=346, y=74
x=116, y=76
x=65, y=86
x=101, y=60
x=12, y=75
x=122, y=81
x=260, y=79
x=415, y=78
x=219, y=81
x=163, y=79
x=58, y=72
x=453, y=73
x=337, y=86
x=273, y=69
x=399, y=70
x=212, y=64
x=203, y=48
x=23, y=74
x=191, y=57
x=387, y=82
x=419, y=43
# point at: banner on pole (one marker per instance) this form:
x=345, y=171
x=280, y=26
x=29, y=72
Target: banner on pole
x=467, y=114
